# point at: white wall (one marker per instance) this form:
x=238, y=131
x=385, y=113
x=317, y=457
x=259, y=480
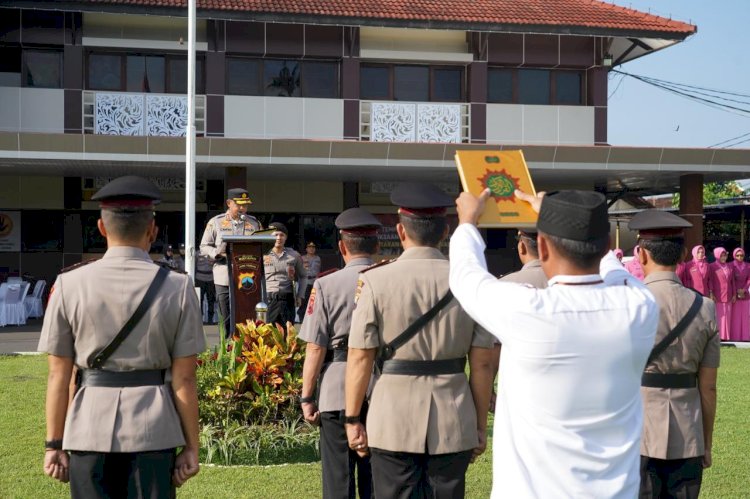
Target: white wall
x=283, y=117
x=522, y=124
x=32, y=110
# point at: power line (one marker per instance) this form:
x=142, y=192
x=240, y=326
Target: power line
x=735, y=144
x=687, y=86
x=622, y=78
x=730, y=140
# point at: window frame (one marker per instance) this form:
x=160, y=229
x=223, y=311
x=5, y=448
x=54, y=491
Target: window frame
x=299, y=61
x=553, y=72
x=168, y=58
x=24, y=68
x=430, y=80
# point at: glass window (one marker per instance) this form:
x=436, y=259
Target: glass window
x=105, y=72
x=320, y=79
x=145, y=74
x=533, y=86
x=446, y=84
x=243, y=76
x=281, y=78
x=10, y=66
x=42, y=230
x=568, y=88
x=411, y=83
x=42, y=68
x=177, y=77
x=374, y=82
x=500, y=85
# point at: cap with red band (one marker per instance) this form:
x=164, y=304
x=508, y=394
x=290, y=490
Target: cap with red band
x=128, y=193
x=357, y=222
x=420, y=200
x=657, y=224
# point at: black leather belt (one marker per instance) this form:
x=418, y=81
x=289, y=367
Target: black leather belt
x=122, y=379
x=660, y=380
x=336, y=355
x=283, y=295
x=424, y=367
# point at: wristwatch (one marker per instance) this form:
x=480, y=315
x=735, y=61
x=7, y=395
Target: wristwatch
x=53, y=444
x=351, y=419
x=306, y=400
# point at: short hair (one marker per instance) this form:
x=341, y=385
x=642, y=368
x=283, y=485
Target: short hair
x=360, y=245
x=530, y=243
x=425, y=231
x=582, y=254
x=127, y=225
x=666, y=252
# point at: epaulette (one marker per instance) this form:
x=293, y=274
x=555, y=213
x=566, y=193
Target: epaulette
x=378, y=265
x=167, y=266
x=78, y=265
x=327, y=272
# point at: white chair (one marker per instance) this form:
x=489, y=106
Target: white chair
x=3, y=290
x=14, y=280
x=33, y=302
x=12, y=310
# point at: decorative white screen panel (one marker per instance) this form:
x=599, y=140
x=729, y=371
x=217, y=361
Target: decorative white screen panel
x=166, y=115
x=119, y=114
x=438, y=123
x=393, y=122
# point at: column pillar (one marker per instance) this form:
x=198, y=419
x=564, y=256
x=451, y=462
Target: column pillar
x=691, y=207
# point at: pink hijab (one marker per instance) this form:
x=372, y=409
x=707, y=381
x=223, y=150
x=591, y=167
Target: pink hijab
x=717, y=254
x=634, y=266
x=619, y=253
x=702, y=265
x=737, y=264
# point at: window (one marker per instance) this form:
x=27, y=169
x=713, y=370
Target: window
x=282, y=77
x=42, y=68
x=535, y=86
x=500, y=85
x=10, y=66
x=42, y=230
x=243, y=76
x=568, y=88
x=105, y=72
x=145, y=73
x=411, y=83
x=142, y=73
x=374, y=83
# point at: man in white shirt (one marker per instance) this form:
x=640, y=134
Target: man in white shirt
x=569, y=416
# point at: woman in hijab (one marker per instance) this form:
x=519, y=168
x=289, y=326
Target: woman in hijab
x=634, y=266
x=723, y=293
x=740, y=330
x=619, y=254
x=696, y=271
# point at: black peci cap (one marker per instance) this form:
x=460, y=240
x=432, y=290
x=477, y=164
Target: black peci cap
x=239, y=196
x=278, y=227
x=657, y=224
x=357, y=221
x=129, y=193
x=574, y=215
x=420, y=200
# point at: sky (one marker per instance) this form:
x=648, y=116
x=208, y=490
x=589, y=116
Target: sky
x=715, y=57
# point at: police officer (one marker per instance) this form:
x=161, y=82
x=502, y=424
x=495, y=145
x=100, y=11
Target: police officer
x=426, y=421
x=136, y=399
x=235, y=222
x=168, y=258
x=679, y=382
x=311, y=262
x=282, y=266
x=326, y=329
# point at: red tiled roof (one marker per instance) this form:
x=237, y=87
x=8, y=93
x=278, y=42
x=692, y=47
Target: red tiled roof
x=558, y=13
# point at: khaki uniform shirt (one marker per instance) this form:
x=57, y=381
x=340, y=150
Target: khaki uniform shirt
x=88, y=307
x=312, y=267
x=327, y=321
x=673, y=422
x=213, y=246
x=276, y=271
x=418, y=414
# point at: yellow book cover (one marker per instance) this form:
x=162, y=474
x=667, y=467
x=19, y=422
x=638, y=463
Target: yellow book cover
x=502, y=172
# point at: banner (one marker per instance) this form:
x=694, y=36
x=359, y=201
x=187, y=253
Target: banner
x=10, y=231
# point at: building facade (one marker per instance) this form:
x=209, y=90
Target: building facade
x=312, y=107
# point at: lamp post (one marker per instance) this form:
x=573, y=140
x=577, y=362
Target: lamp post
x=190, y=148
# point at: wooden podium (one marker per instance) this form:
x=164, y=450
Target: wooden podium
x=247, y=283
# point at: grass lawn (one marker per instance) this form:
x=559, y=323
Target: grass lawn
x=22, y=387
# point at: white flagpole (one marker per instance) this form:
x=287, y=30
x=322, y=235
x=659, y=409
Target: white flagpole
x=190, y=148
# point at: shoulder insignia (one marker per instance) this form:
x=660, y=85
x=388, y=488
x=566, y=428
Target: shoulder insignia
x=377, y=265
x=267, y=259
x=328, y=272
x=166, y=266
x=226, y=224
x=311, y=302
x=78, y=265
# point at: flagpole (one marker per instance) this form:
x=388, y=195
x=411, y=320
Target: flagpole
x=190, y=148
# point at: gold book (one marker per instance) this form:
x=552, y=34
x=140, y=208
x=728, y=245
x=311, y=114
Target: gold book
x=502, y=172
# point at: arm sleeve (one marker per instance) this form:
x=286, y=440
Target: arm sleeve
x=208, y=241
x=478, y=291
x=190, y=339
x=57, y=333
x=613, y=272
x=315, y=327
x=301, y=274
x=365, y=328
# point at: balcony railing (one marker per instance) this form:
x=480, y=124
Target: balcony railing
x=414, y=122
x=125, y=113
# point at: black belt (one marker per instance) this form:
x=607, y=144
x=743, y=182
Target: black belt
x=279, y=295
x=337, y=355
x=424, y=367
x=122, y=379
x=660, y=380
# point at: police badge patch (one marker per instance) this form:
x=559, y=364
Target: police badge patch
x=311, y=302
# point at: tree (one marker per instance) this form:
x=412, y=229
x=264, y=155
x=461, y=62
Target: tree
x=714, y=192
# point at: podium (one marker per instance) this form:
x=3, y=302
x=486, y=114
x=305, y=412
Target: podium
x=247, y=283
